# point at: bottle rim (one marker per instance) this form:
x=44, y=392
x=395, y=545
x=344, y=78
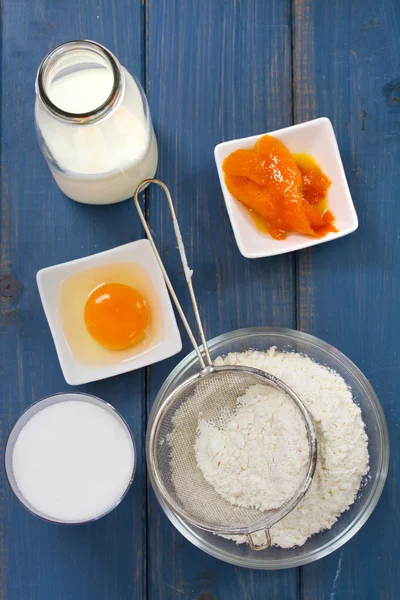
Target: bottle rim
x=90, y=116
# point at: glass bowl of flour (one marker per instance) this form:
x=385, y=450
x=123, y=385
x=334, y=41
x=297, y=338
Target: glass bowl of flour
x=352, y=437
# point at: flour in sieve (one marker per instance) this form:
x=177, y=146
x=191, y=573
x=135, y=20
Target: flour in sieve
x=342, y=445
x=343, y=457
x=257, y=456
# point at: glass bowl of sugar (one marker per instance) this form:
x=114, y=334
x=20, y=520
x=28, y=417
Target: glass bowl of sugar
x=70, y=458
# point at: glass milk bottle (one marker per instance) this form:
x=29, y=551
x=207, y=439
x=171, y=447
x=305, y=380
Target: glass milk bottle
x=93, y=124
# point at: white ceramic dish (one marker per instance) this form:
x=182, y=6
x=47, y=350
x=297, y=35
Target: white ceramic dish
x=49, y=280
x=316, y=138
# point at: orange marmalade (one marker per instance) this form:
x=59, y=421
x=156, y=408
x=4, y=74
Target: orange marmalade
x=284, y=193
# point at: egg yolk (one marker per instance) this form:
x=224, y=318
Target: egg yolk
x=116, y=315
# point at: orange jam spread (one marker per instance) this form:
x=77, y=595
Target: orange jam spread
x=284, y=193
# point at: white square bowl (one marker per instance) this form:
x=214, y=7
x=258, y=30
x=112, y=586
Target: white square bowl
x=49, y=281
x=316, y=138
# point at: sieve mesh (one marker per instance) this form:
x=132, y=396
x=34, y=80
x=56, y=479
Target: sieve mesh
x=208, y=396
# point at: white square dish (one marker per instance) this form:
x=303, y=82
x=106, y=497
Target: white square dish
x=316, y=138
x=49, y=281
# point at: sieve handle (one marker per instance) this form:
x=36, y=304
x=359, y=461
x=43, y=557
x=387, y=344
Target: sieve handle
x=256, y=547
x=187, y=271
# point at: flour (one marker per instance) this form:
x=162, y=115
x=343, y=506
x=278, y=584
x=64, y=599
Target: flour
x=243, y=438
x=258, y=456
x=343, y=457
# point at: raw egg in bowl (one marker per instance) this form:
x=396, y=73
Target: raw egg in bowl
x=109, y=313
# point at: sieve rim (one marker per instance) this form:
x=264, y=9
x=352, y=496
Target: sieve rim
x=157, y=418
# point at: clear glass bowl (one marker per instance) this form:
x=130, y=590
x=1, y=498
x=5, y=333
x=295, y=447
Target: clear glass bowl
x=32, y=410
x=352, y=520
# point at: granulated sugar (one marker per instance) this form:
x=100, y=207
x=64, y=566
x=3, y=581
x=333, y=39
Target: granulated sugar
x=343, y=457
x=73, y=461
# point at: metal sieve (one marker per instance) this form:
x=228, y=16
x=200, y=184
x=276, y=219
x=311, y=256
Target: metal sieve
x=172, y=429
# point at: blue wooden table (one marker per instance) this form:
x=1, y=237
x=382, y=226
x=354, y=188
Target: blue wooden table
x=212, y=70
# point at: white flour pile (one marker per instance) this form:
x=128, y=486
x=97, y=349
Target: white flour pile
x=230, y=456
x=258, y=456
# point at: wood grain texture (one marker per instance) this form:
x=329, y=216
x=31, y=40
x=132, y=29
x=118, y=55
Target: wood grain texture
x=104, y=560
x=346, y=68
x=213, y=70
x=216, y=71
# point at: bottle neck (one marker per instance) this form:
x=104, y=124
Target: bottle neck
x=60, y=76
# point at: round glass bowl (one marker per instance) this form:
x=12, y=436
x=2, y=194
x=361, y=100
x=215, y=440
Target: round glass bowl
x=352, y=520
x=23, y=420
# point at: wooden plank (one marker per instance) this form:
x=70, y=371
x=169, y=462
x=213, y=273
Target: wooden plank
x=346, y=67
x=216, y=70
x=41, y=227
